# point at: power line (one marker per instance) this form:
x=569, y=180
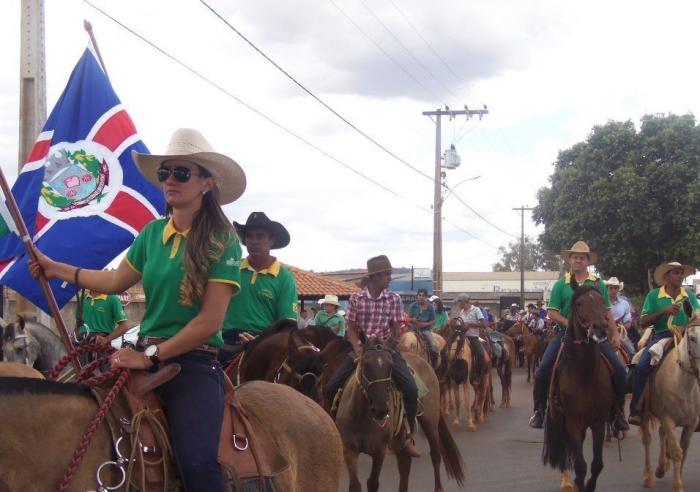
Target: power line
x=324, y=104
x=379, y=47
x=426, y=42
x=410, y=53
x=267, y=118
x=318, y=99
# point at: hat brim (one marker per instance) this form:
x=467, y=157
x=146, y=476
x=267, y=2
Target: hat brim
x=664, y=268
x=592, y=255
x=228, y=175
x=275, y=229
x=322, y=302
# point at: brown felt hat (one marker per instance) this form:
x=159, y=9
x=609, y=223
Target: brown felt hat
x=378, y=264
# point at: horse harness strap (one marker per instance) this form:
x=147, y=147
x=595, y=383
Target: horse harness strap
x=290, y=370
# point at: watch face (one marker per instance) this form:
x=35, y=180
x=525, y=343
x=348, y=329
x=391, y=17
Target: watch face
x=151, y=350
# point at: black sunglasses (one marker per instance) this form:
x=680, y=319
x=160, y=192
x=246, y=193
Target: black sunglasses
x=181, y=173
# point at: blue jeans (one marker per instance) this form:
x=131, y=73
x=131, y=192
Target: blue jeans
x=194, y=404
x=643, y=369
x=544, y=372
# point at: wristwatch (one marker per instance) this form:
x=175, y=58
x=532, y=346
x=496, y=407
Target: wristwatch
x=152, y=353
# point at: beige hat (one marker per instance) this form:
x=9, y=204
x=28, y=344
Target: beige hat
x=664, y=268
x=190, y=145
x=582, y=248
x=329, y=299
x=615, y=281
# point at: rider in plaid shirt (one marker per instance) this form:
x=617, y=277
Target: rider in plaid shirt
x=377, y=312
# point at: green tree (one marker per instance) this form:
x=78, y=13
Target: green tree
x=536, y=257
x=633, y=196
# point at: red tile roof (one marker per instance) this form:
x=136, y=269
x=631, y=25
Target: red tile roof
x=312, y=285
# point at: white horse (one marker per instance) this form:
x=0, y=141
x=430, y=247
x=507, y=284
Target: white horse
x=672, y=399
x=31, y=343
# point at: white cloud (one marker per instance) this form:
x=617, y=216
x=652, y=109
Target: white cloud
x=548, y=71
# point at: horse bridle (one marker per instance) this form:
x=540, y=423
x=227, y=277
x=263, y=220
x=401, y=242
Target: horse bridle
x=590, y=334
x=365, y=383
x=290, y=371
x=24, y=337
x=694, y=370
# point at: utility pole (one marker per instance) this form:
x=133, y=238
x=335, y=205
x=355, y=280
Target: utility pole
x=439, y=177
x=522, y=254
x=32, y=91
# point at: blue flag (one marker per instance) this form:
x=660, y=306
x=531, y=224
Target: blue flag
x=80, y=194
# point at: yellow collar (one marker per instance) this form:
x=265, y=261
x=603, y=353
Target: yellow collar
x=100, y=297
x=591, y=277
x=273, y=269
x=169, y=232
x=682, y=295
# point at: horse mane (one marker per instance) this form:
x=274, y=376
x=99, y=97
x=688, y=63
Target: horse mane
x=323, y=334
x=280, y=326
x=32, y=386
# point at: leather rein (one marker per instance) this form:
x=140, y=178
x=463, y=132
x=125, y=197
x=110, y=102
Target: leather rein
x=362, y=380
x=289, y=370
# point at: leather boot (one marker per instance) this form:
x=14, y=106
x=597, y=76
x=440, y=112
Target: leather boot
x=537, y=419
x=409, y=447
x=619, y=423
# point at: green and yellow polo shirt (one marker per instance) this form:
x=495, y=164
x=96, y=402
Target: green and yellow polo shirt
x=659, y=299
x=102, y=313
x=562, y=292
x=157, y=255
x=266, y=296
x=330, y=320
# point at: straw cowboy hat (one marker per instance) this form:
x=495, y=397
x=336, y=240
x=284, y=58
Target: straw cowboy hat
x=615, y=281
x=189, y=145
x=664, y=268
x=582, y=248
x=329, y=299
x=258, y=220
x=378, y=264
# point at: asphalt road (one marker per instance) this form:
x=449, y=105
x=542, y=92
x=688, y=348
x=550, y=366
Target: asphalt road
x=504, y=454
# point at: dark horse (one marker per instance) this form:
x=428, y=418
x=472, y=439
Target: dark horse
x=581, y=393
x=287, y=355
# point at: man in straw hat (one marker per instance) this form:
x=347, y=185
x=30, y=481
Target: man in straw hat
x=621, y=311
x=329, y=315
x=579, y=257
x=268, y=290
x=661, y=304
x=377, y=312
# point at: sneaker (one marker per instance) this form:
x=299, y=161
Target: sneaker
x=537, y=420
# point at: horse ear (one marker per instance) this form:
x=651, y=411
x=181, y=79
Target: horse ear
x=363, y=337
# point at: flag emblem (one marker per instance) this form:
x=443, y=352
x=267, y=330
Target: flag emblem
x=78, y=175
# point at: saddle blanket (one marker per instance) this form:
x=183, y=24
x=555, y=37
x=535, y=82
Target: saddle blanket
x=657, y=352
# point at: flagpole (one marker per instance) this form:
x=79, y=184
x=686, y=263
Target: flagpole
x=48, y=293
x=88, y=28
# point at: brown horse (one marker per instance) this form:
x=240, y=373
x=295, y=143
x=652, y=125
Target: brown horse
x=677, y=375
x=455, y=373
x=17, y=370
x=369, y=421
x=411, y=343
x=283, y=354
x=581, y=392
x=531, y=344
x=43, y=422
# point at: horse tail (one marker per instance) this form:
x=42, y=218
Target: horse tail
x=556, y=451
x=459, y=371
x=450, y=453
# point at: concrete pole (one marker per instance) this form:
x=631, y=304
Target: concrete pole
x=32, y=91
x=437, y=213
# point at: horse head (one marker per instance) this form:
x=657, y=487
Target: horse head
x=304, y=361
x=18, y=345
x=374, y=370
x=589, y=318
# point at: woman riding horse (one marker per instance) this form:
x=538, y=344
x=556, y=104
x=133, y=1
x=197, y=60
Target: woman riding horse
x=189, y=266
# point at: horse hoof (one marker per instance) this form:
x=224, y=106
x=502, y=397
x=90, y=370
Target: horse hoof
x=471, y=427
x=455, y=423
x=567, y=488
x=660, y=472
x=648, y=481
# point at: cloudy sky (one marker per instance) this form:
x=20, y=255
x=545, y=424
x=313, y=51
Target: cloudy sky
x=548, y=71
